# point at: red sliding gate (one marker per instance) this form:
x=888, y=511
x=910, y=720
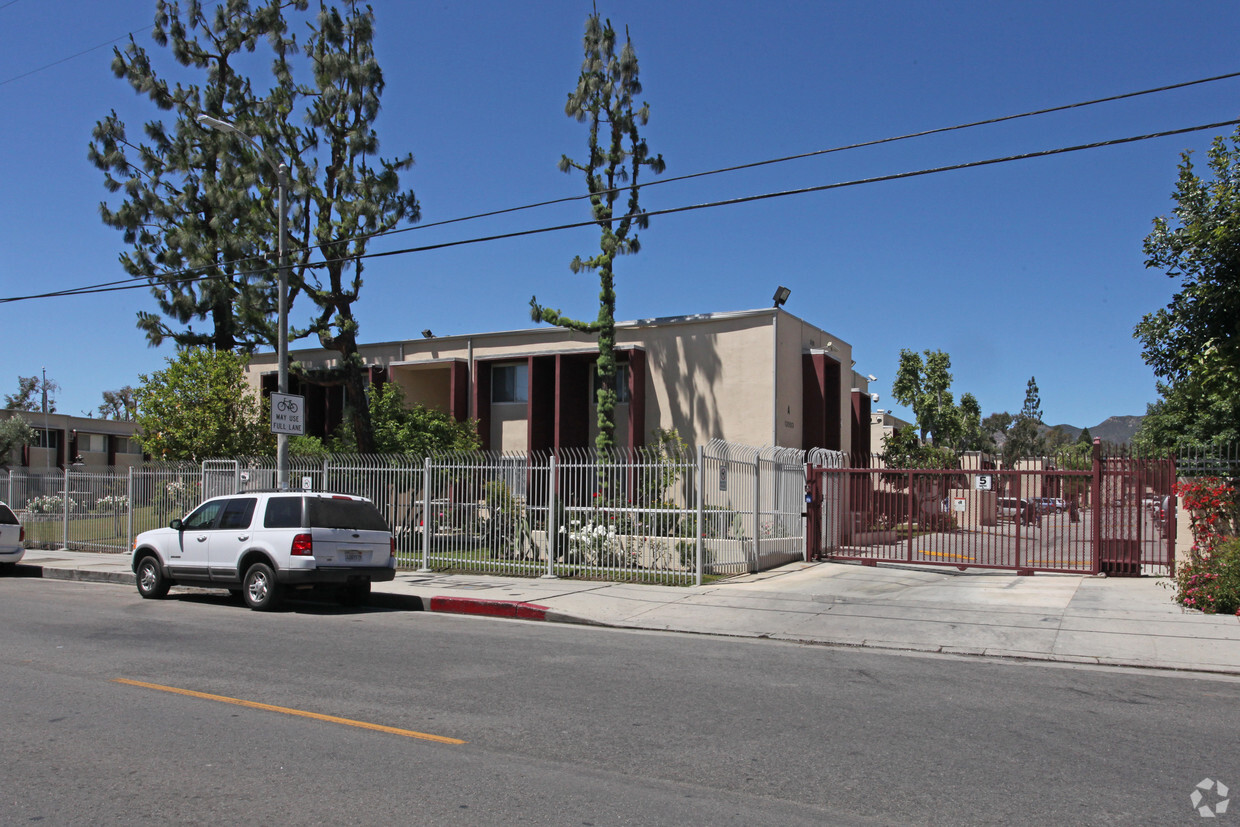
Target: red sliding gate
x=1115, y=516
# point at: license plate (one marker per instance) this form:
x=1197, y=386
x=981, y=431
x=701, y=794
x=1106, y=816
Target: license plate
x=352, y=556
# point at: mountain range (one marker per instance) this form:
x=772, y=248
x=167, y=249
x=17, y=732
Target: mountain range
x=1117, y=429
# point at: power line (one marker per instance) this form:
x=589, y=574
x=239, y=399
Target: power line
x=109, y=287
x=819, y=188
x=71, y=57
x=814, y=153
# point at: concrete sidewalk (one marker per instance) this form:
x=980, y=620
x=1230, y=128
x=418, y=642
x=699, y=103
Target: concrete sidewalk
x=1054, y=617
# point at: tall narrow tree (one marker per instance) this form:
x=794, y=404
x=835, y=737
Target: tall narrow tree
x=604, y=100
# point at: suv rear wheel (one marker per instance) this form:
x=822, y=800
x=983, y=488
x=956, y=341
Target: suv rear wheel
x=260, y=589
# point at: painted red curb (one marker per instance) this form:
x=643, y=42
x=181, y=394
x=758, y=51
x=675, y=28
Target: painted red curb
x=490, y=608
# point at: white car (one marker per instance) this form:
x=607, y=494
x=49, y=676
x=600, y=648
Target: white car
x=12, y=535
x=259, y=545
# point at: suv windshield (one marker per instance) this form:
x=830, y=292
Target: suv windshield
x=331, y=513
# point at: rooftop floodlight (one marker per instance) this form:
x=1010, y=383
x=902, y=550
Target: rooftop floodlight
x=426, y=334
x=781, y=295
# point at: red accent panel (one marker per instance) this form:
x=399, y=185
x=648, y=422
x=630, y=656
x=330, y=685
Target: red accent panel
x=458, y=392
x=482, y=401
x=637, y=398
x=860, y=443
x=572, y=400
x=541, y=411
x=820, y=402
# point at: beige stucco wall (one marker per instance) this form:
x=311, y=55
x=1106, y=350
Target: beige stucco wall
x=430, y=386
x=882, y=425
x=708, y=379
x=509, y=431
x=796, y=338
x=734, y=376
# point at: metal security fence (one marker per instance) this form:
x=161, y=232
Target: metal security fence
x=644, y=515
x=1068, y=513
x=99, y=508
x=753, y=507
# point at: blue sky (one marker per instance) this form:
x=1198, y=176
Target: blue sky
x=1026, y=268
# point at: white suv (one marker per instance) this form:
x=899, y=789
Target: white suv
x=12, y=537
x=259, y=544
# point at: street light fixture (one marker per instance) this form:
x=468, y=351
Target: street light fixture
x=281, y=171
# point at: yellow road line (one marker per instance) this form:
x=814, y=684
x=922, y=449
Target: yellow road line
x=408, y=733
x=944, y=554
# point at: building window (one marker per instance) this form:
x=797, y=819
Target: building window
x=510, y=383
x=127, y=445
x=45, y=439
x=622, y=384
x=97, y=443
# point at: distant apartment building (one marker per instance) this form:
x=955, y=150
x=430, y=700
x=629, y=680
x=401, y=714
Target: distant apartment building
x=756, y=377
x=62, y=440
x=882, y=425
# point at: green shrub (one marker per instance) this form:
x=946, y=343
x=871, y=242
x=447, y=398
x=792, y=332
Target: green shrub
x=1211, y=584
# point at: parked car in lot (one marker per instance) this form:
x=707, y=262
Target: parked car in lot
x=1021, y=509
x=1051, y=505
x=12, y=535
x=1011, y=507
x=259, y=545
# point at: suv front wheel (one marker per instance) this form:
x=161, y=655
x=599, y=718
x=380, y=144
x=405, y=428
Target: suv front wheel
x=150, y=581
x=260, y=589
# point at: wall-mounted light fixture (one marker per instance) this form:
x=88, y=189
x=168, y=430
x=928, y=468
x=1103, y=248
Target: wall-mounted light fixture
x=426, y=334
x=781, y=296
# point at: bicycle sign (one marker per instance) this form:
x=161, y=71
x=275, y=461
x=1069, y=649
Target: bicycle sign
x=286, y=417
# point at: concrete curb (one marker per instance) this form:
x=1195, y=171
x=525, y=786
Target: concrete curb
x=513, y=609
x=524, y=610
x=490, y=608
x=86, y=576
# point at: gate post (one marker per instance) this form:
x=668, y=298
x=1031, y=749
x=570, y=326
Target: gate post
x=1096, y=507
x=912, y=506
x=813, y=512
x=65, y=544
x=426, y=513
x=699, y=506
x=129, y=509
x=553, y=517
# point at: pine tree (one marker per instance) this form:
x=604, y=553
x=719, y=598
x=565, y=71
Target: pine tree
x=199, y=205
x=604, y=101
x=200, y=230
x=347, y=192
x=1025, y=439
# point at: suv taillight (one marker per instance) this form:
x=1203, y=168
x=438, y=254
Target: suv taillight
x=303, y=546
x=22, y=539
x=393, y=541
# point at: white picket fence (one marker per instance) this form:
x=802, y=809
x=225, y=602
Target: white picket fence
x=642, y=515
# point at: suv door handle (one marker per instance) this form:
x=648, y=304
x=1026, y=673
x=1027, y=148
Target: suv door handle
x=243, y=537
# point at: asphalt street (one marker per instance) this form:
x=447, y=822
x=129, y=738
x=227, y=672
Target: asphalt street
x=563, y=724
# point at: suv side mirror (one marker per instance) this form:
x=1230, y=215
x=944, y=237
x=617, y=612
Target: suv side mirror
x=175, y=525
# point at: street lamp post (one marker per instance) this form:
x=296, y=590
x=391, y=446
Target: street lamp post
x=281, y=171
